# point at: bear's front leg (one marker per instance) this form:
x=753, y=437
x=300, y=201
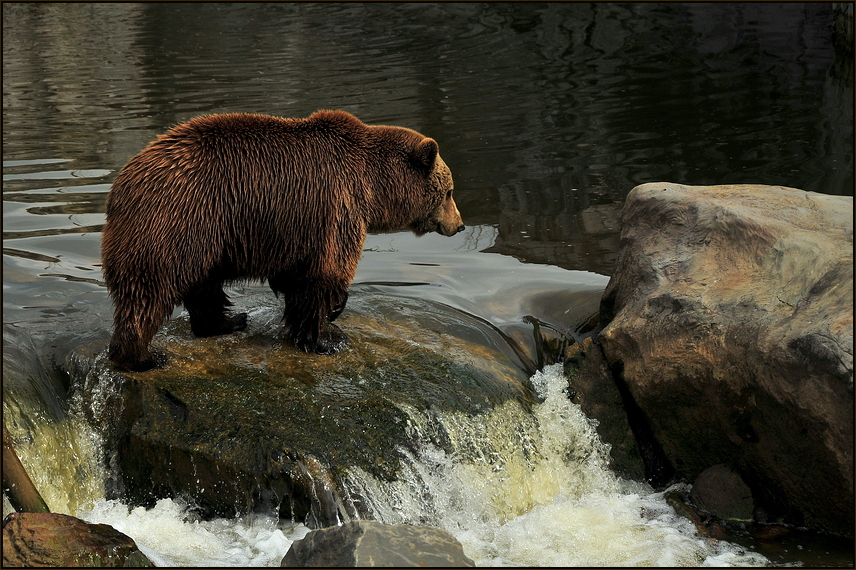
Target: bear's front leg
x=206, y=304
x=338, y=307
x=310, y=309
x=312, y=331
x=329, y=341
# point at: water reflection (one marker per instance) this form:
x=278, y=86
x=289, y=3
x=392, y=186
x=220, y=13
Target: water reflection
x=542, y=110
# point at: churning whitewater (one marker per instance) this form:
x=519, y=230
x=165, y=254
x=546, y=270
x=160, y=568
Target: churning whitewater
x=521, y=488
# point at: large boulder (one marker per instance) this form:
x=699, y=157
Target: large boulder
x=50, y=539
x=373, y=544
x=730, y=320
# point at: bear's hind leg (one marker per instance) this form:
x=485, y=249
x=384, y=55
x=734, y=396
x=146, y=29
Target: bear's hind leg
x=128, y=348
x=206, y=305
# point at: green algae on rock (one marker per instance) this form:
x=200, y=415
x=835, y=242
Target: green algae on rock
x=246, y=422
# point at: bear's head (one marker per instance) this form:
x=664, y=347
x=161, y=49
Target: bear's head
x=444, y=217
x=442, y=213
x=412, y=184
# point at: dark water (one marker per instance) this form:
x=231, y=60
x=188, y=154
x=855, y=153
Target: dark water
x=547, y=114
x=541, y=110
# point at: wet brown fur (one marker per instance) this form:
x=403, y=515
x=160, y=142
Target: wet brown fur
x=251, y=197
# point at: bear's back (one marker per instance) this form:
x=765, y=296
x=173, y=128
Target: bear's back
x=243, y=152
x=236, y=179
x=254, y=128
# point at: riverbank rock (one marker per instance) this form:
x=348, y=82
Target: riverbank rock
x=247, y=423
x=50, y=539
x=729, y=318
x=373, y=544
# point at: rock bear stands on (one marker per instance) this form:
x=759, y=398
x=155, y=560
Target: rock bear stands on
x=242, y=197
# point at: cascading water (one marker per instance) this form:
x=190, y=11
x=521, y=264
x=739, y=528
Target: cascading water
x=517, y=483
x=170, y=535
x=519, y=488
x=533, y=489
x=56, y=446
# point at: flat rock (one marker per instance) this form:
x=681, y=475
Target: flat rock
x=730, y=319
x=373, y=544
x=247, y=423
x=51, y=539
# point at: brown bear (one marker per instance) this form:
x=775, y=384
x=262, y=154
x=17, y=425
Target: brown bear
x=242, y=196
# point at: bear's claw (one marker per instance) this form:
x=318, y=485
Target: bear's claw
x=329, y=342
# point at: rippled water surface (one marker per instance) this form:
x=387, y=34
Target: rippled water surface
x=547, y=115
x=542, y=110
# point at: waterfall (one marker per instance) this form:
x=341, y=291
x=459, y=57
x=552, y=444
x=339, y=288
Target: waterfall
x=521, y=484
x=532, y=488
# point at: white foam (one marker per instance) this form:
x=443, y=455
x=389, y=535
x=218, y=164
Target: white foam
x=170, y=535
x=537, y=492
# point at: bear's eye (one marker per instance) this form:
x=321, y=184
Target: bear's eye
x=448, y=195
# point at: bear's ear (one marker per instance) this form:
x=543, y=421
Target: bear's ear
x=426, y=152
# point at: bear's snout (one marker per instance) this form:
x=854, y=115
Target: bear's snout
x=449, y=221
x=449, y=232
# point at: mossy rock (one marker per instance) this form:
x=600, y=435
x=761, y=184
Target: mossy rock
x=246, y=422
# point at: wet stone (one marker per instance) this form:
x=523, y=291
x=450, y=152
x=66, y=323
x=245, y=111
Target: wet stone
x=723, y=493
x=247, y=423
x=373, y=544
x=50, y=539
x=592, y=386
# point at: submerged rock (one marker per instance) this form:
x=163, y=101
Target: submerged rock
x=723, y=493
x=730, y=320
x=246, y=423
x=47, y=539
x=372, y=544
